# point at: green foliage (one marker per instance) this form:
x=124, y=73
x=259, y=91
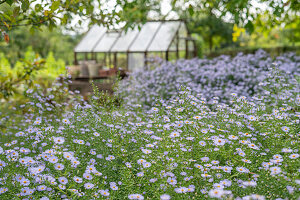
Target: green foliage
x=214, y=20
x=35, y=13
x=214, y=30
x=27, y=72
x=292, y=30
x=267, y=35
x=11, y=80
x=241, y=12
x=5, y=65
x=105, y=100
x=200, y=43
x=41, y=42
x=53, y=68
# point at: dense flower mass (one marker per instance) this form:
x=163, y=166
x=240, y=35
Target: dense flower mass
x=219, y=77
x=187, y=148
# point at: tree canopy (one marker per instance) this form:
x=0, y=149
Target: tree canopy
x=35, y=13
x=42, y=42
x=52, y=13
x=214, y=20
x=241, y=12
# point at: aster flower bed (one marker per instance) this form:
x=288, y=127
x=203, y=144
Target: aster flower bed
x=189, y=148
x=218, y=77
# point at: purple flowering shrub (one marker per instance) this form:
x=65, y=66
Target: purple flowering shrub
x=187, y=148
x=218, y=77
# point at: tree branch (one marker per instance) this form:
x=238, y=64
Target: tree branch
x=17, y=25
x=27, y=24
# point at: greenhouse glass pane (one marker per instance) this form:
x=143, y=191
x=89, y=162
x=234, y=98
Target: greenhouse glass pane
x=145, y=36
x=106, y=42
x=164, y=36
x=182, y=34
x=183, y=30
x=191, y=46
x=173, y=45
x=90, y=39
x=125, y=40
x=181, y=45
x=135, y=61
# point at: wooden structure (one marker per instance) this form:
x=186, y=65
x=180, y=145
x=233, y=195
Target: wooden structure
x=84, y=86
x=104, y=82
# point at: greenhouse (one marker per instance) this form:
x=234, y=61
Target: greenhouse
x=132, y=49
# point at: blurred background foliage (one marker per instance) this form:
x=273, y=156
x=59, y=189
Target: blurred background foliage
x=214, y=33
x=42, y=42
x=27, y=71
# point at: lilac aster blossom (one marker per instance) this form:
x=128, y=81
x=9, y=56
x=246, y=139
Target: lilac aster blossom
x=220, y=77
x=191, y=144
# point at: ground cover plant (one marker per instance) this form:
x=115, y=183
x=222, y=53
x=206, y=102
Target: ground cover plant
x=217, y=77
x=187, y=148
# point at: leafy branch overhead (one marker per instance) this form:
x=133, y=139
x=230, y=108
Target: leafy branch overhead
x=241, y=12
x=35, y=13
x=52, y=13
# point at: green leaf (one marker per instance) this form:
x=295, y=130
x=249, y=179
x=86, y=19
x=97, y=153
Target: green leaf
x=81, y=8
x=9, y=2
x=64, y=19
x=16, y=11
x=249, y=26
x=6, y=16
x=55, y=5
x=25, y=5
x=173, y=3
x=38, y=8
x=51, y=25
x=277, y=12
x=191, y=10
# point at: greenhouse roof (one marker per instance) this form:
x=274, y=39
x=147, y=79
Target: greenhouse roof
x=153, y=36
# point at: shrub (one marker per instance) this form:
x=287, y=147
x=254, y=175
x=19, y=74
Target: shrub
x=32, y=70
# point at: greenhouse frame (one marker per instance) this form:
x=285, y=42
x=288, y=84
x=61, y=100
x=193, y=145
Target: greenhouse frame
x=165, y=39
